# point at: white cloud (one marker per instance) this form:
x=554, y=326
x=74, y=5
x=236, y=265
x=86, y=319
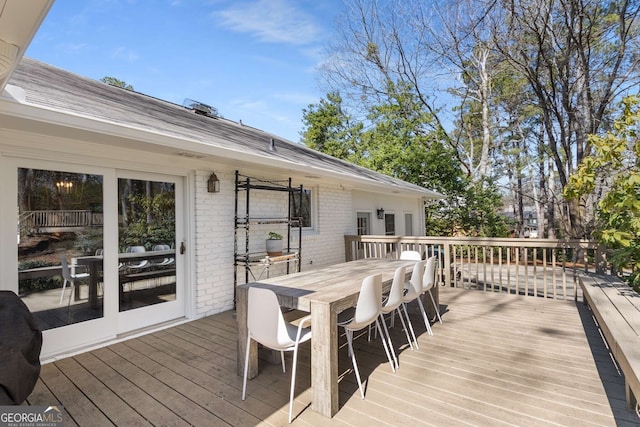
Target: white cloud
x=273, y=21
x=296, y=98
x=124, y=53
x=73, y=47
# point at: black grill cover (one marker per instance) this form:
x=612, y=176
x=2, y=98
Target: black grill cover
x=20, y=345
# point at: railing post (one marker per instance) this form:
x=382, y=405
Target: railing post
x=600, y=260
x=447, y=263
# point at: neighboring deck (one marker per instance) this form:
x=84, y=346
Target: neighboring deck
x=498, y=359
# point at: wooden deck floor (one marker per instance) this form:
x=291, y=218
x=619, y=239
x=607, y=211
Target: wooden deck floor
x=497, y=360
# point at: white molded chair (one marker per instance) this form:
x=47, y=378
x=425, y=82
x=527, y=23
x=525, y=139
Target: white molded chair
x=393, y=304
x=69, y=278
x=137, y=264
x=411, y=255
x=266, y=325
x=413, y=290
x=367, y=312
x=429, y=281
x=165, y=261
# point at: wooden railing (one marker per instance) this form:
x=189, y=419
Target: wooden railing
x=34, y=220
x=536, y=267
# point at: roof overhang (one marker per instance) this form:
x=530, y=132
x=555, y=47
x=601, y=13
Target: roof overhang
x=21, y=117
x=19, y=22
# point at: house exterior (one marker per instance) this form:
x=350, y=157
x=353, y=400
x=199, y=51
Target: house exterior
x=89, y=164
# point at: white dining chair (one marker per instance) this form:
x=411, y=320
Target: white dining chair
x=266, y=325
x=367, y=312
x=413, y=290
x=392, y=305
x=143, y=263
x=165, y=261
x=429, y=281
x=69, y=278
x=411, y=256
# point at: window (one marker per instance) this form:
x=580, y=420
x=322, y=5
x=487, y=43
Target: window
x=301, y=207
x=363, y=220
x=389, y=224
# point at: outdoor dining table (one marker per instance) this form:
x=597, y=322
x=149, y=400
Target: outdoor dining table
x=324, y=293
x=94, y=264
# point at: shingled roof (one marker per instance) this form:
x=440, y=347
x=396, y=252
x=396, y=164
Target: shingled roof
x=55, y=89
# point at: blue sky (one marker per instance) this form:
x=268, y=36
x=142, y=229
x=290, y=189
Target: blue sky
x=254, y=60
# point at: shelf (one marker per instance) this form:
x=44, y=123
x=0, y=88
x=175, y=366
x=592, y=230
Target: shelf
x=258, y=221
x=261, y=257
x=257, y=264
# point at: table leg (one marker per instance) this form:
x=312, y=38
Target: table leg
x=241, y=317
x=324, y=359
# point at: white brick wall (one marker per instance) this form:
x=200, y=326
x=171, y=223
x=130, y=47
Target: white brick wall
x=214, y=237
x=213, y=244
x=334, y=216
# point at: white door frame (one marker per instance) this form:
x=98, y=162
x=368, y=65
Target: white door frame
x=158, y=313
x=70, y=339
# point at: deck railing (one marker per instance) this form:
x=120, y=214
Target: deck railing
x=536, y=267
x=33, y=220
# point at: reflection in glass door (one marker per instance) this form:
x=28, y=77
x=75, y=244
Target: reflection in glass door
x=60, y=239
x=146, y=243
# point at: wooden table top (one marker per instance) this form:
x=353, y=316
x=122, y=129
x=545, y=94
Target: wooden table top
x=335, y=284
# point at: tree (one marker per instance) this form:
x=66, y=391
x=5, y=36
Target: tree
x=117, y=83
x=327, y=128
x=609, y=181
x=577, y=58
x=399, y=141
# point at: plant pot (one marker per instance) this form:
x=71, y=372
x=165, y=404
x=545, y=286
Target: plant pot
x=274, y=247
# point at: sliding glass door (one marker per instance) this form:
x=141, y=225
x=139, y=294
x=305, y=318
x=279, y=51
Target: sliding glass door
x=92, y=252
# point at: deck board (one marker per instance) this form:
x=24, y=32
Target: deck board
x=496, y=360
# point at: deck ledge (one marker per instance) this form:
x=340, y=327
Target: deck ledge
x=616, y=308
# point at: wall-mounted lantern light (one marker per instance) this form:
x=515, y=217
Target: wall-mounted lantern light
x=380, y=213
x=213, y=184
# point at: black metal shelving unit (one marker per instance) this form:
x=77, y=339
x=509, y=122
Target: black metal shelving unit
x=242, y=225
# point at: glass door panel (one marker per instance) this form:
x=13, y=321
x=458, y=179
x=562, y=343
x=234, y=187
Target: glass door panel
x=59, y=237
x=146, y=243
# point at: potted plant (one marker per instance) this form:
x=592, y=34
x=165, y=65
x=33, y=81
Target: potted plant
x=274, y=244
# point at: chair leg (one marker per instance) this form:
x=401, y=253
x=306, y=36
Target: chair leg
x=406, y=313
x=404, y=326
x=64, y=286
x=435, y=306
x=424, y=316
x=293, y=380
x=284, y=370
x=384, y=344
x=72, y=287
x=246, y=368
x=388, y=338
x=353, y=359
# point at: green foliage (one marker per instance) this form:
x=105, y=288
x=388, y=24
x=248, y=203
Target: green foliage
x=274, y=236
x=614, y=169
x=151, y=220
x=117, y=83
x=399, y=140
x=470, y=209
x=330, y=130
x=39, y=284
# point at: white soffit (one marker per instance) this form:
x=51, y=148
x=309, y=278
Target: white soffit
x=19, y=22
